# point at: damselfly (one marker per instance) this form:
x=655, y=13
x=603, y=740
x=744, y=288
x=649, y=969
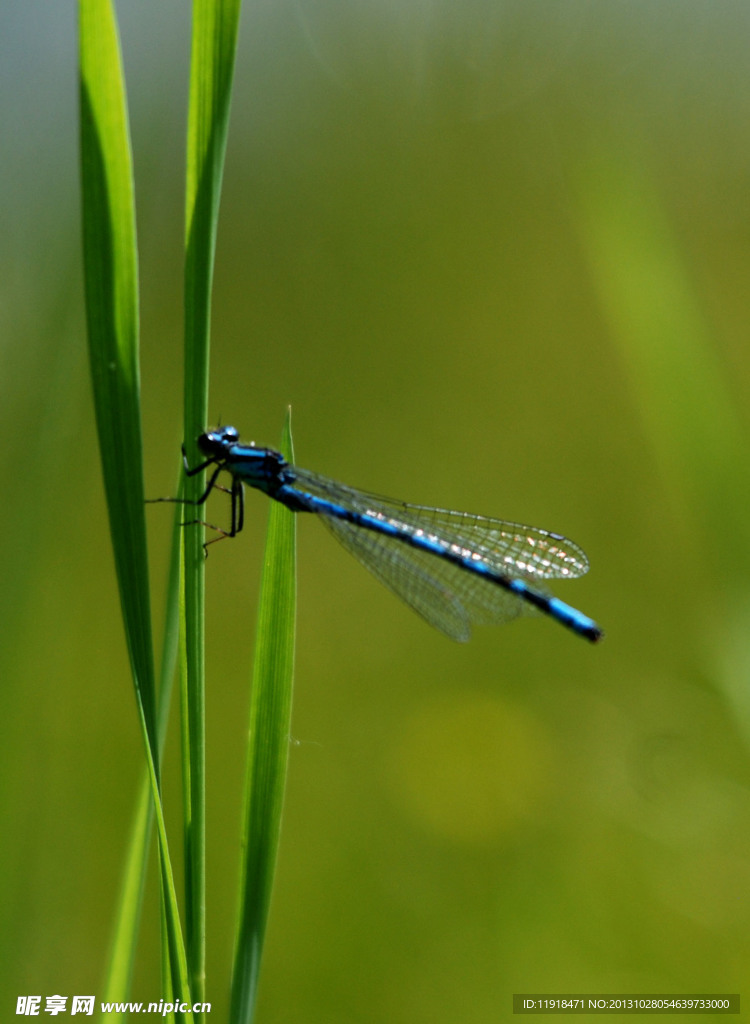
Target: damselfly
x=453, y=568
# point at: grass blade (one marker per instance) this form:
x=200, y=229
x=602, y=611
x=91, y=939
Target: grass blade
x=214, y=41
x=112, y=317
x=127, y=919
x=268, y=748
x=111, y=285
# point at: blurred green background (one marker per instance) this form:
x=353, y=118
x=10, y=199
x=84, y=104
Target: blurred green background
x=495, y=255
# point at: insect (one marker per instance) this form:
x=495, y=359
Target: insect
x=454, y=568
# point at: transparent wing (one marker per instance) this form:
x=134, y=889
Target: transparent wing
x=447, y=596
x=508, y=548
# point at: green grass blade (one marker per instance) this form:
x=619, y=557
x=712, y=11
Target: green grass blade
x=214, y=41
x=127, y=919
x=110, y=273
x=111, y=287
x=268, y=748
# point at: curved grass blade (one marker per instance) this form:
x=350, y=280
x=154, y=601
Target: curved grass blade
x=110, y=274
x=125, y=936
x=268, y=748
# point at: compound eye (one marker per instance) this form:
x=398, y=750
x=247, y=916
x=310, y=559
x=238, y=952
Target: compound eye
x=230, y=434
